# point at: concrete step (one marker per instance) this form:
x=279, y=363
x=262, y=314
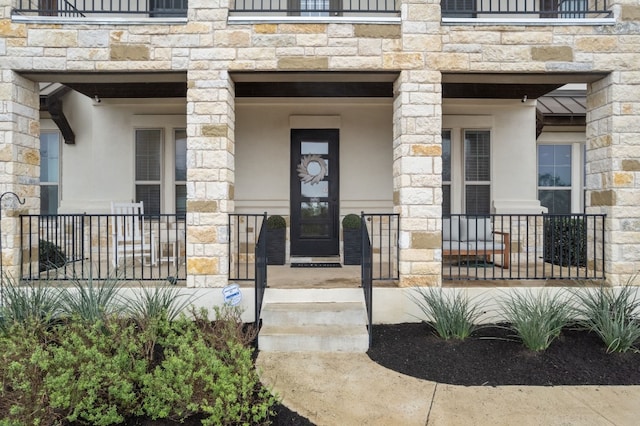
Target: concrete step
x=310, y=313
x=313, y=338
x=285, y=295
x=314, y=320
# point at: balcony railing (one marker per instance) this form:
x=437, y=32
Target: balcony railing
x=316, y=8
x=82, y=246
x=523, y=247
x=526, y=9
x=100, y=8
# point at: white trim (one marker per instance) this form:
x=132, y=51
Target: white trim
x=314, y=121
x=97, y=20
x=530, y=21
x=392, y=20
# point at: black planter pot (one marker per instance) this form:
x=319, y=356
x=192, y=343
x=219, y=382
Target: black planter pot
x=276, y=246
x=352, y=246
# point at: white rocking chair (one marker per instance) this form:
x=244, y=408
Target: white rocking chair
x=128, y=239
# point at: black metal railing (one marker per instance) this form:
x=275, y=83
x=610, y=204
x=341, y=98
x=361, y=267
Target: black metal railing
x=556, y=9
x=260, y=271
x=383, y=229
x=82, y=246
x=366, y=265
x=244, y=231
x=87, y=8
x=307, y=8
x=523, y=247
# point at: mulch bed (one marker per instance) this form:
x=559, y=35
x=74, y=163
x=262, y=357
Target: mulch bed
x=493, y=357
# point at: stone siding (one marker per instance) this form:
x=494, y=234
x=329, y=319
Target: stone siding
x=419, y=49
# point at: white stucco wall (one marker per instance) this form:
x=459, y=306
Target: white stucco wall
x=513, y=148
x=99, y=167
x=263, y=145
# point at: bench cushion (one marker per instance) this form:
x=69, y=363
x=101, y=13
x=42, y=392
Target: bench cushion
x=454, y=245
x=476, y=229
x=451, y=229
x=486, y=246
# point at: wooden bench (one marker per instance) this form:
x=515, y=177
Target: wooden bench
x=474, y=236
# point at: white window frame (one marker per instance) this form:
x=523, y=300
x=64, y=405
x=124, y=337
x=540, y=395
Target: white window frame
x=578, y=160
x=457, y=125
x=176, y=182
x=58, y=182
x=169, y=125
x=159, y=182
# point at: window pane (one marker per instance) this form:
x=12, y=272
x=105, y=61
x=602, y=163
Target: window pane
x=148, y=154
x=320, y=5
x=314, y=148
x=557, y=201
x=49, y=199
x=150, y=195
x=446, y=200
x=478, y=199
x=446, y=156
x=477, y=156
x=181, y=155
x=49, y=156
x=181, y=200
x=554, y=165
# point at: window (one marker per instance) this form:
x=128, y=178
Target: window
x=458, y=8
x=161, y=169
x=49, y=171
x=446, y=173
x=315, y=7
x=554, y=177
x=148, y=168
x=180, y=137
x=466, y=171
x=477, y=172
x=168, y=8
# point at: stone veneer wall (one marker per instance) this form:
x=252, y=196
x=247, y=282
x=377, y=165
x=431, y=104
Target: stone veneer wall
x=20, y=161
x=208, y=47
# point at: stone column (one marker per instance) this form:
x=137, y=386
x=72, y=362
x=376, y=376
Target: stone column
x=613, y=170
x=210, y=176
x=19, y=162
x=417, y=175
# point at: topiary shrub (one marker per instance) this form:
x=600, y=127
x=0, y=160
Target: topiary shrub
x=50, y=256
x=276, y=240
x=351, y=221
x=276, y=222
x=565, y=241
x=352, y=239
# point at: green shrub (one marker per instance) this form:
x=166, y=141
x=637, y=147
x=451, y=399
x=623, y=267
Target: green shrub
x=536, y=319
x=451, y=314
x=565, y=241
x=276, y=222
x=50, y=256
x=195, y=376
x=612, y=313
x=110, y=370
x=92, y=371
x=23, y=400
x=351, y=221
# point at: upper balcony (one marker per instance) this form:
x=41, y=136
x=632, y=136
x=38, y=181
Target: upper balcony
x=470, y=12
x=561, y=12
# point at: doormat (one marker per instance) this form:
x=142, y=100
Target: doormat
x=316, y=265
x=474, y=264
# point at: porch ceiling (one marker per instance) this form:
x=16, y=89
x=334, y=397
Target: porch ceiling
x=509, y=86
x=120, y=85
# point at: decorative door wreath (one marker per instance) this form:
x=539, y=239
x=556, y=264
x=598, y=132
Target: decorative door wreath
x=303, y=169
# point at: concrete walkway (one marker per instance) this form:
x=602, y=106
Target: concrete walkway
x=350, y=389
